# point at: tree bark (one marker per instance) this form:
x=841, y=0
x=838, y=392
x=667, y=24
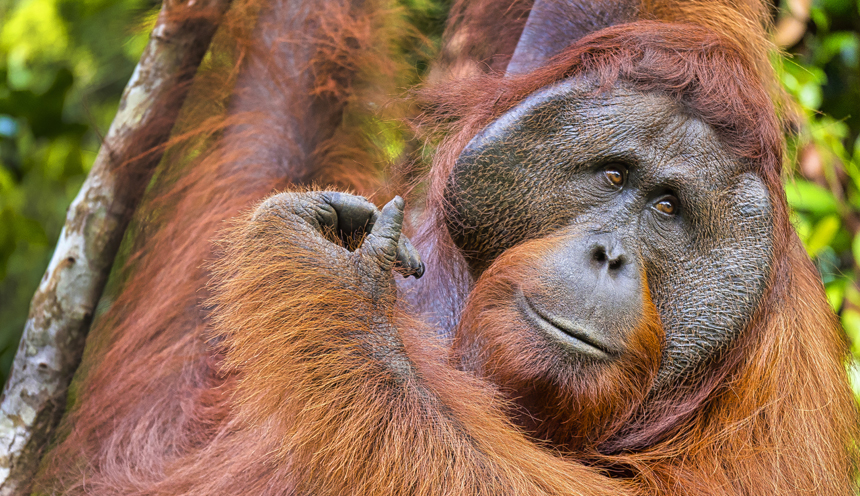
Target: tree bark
x=34, y=397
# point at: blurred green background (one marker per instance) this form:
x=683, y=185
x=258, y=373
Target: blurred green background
x=64, y=63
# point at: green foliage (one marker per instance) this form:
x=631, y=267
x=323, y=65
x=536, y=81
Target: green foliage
x=823, y=75
x=63, y=66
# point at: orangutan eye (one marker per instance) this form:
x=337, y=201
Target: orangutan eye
x=616, y=175
x=667, y=205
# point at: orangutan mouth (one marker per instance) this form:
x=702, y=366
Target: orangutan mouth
x=566, y=331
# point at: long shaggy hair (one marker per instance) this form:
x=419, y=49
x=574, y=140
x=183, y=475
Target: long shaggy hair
x=257, y=383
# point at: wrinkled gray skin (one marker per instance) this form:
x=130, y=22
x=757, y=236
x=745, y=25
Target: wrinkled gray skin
x=539, y=170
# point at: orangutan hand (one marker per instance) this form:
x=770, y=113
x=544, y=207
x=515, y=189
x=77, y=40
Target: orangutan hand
x=332, y=223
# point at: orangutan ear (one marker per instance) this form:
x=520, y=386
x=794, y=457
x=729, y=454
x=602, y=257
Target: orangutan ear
x=554, y=24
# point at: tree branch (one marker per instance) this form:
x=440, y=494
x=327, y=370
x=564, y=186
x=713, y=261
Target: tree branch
x=791, y=24
x=61, y=310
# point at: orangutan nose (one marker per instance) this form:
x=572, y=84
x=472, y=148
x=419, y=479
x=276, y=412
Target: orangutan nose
x=608, y=254
x=591, y=290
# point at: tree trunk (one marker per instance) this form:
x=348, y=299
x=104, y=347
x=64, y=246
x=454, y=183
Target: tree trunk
x=61, y=310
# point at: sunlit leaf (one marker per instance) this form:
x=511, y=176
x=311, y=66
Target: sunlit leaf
x=852, y=295
x=822, y=234
x=855, y=249
x=810, y=197
x=819, y=17
x=851, y=324
x=854, y=376
x=32, y=30
x=810, y=95
x=835, y=292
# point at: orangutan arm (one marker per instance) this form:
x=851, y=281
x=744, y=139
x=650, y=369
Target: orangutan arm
x=363, y=402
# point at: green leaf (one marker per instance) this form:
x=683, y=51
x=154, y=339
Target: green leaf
x=819, y=17
x=852, y=295
x=851, y=324
x=810, y=95
x=855, y=249
x=835, y=292
x=822, y=234
x=854, y=376
x=810, y=197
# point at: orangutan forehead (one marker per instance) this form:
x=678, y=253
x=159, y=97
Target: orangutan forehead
x=577, y=124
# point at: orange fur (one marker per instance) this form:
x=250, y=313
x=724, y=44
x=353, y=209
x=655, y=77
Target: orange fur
x=298, y=339
x=575, y=407
x=266, y=382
